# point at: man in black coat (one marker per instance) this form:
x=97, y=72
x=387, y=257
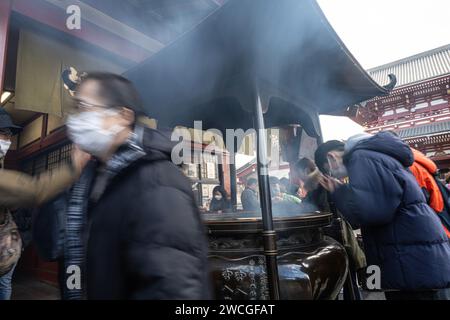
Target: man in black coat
x=133, y=209
x=249, y=196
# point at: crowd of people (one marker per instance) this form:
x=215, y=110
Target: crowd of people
x=126, y=216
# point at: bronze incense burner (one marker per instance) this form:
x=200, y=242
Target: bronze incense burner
x=310, y=265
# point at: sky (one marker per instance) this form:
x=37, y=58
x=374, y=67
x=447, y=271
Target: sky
x=381, y=31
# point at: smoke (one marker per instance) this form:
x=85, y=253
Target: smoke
x=161, y=20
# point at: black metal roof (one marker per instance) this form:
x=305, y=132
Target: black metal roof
x=286, y=48
x=423, y=66
x=425, y=129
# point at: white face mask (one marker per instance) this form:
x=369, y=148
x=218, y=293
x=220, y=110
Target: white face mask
x=4, y=147
x=217, y=197
x=86, y=130
x=337, y=169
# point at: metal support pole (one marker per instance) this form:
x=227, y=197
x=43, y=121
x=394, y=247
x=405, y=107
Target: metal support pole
x=233, y=180
x=220, y=173
x=269, y=234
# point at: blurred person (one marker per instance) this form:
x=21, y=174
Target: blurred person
x=275, y=182
x=283, y=204
x=425, y=170
x=220, y=202
x=297, y=187
x=285, y=185
x=277, y=192
x=447, y=181
x=401, y=233
x=144, y=236
x=249, y=196
x=308, y=176
x=19, y=190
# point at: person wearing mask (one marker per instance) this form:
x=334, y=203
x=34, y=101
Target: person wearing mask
x=401, y=233
x=133, y=227
x=311, y=177
x=279, y=195
x=283, y=204
x=220, y=202
x=275, y=190
x=19, y=190
x=285, y=185
x=249, y=196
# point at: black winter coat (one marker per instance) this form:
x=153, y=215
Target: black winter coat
x=146, y=239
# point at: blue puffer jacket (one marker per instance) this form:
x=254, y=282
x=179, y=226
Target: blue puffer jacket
x=402, y=234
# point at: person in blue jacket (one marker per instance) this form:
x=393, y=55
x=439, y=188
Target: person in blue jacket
x=401, y=233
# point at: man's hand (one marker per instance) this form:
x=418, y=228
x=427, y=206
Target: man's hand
x=329, y=183
x=79, y=159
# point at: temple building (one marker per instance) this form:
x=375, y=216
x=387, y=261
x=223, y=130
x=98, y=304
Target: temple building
x=40, y=39
x=418, y=109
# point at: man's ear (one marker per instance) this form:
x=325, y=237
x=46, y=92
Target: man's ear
x=332, y=162
x=330, y=157
x=128, y=115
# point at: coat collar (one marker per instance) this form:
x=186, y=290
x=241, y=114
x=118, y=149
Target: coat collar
x=127, y=154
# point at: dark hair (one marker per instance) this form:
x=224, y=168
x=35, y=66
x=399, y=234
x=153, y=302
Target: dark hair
x=274, y=180
x=305, y=164
x=320, y=156
x=221, y=190
x=284, y=181
x=6, y=131
x=251, y=181
x=116, y=90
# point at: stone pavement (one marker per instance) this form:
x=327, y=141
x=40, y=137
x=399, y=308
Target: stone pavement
x=26, y=288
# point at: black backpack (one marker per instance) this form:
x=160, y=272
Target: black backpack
x=445, y=214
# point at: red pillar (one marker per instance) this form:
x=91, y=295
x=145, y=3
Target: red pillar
x=5, y=13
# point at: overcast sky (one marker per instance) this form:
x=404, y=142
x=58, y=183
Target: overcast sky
x=381, y=31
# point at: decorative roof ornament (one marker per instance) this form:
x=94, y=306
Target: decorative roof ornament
x=415, y=69
x=71, y=78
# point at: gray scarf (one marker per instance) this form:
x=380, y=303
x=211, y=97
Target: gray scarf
x=76, y=228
